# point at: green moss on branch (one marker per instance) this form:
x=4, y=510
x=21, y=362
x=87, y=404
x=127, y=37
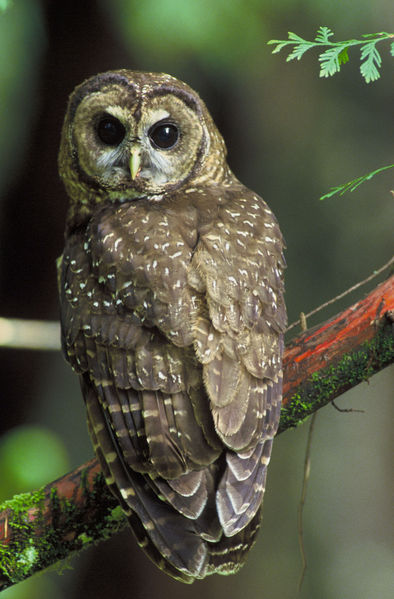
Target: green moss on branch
x=328, y=383
x=44, y=527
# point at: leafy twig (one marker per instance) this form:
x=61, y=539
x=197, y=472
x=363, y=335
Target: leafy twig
x=354, y=183
x=336, y=53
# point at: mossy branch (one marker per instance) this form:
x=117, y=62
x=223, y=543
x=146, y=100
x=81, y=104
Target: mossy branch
x=39, y=529
x=328, y=359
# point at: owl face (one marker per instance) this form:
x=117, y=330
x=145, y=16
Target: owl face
x=129, y=134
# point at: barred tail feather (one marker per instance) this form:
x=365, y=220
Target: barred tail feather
x=167, y=536
x=229, y=555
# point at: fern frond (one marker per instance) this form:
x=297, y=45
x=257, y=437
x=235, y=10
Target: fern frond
x=336, y=53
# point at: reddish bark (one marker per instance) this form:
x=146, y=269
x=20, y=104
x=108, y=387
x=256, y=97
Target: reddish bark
x=327, y=343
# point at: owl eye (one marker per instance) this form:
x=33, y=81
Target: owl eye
x=164, y=135
x=110, y=130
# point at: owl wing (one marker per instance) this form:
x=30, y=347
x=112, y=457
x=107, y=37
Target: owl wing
x=238, y=267
x=143, y=397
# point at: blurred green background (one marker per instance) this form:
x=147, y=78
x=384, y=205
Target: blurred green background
x=290, y=136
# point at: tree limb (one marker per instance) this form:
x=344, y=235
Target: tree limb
x=40, y=528
x=328, y=359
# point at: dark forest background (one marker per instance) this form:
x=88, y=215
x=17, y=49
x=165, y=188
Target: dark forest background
x=290, y=136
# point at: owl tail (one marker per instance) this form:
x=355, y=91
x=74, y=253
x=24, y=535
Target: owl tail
x=241, y=489
x=224, y=557
x=184, y=548
x=230, y=553
x=166, y=536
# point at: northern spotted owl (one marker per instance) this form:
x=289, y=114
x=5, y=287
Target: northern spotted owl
x=172, y=313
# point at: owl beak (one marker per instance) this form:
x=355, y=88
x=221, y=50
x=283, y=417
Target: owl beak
x=135, y=162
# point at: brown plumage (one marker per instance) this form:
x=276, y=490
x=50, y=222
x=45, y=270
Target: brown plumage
x=172, y=314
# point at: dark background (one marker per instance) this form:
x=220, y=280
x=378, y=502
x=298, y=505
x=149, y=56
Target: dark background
x=290, y=136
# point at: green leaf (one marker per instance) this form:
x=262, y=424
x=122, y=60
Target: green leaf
x=298, y=51
x=370, y=52
x=279, y=46
x=323, y=33
x=372, y=61
x=343, y=56
x=329, y=62
x=392, y=48
x=295, y=37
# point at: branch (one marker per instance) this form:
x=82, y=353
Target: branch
x=20, y=333
x=330, y=358
x=38, y=529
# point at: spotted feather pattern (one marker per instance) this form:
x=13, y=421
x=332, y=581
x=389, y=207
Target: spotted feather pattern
x=173, y=316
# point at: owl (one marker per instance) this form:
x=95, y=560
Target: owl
x=172, y=315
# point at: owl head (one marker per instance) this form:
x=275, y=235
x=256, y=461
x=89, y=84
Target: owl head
x=131, y=134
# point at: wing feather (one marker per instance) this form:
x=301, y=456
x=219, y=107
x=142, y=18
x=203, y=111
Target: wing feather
x=239, y=263
x=172, y=534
